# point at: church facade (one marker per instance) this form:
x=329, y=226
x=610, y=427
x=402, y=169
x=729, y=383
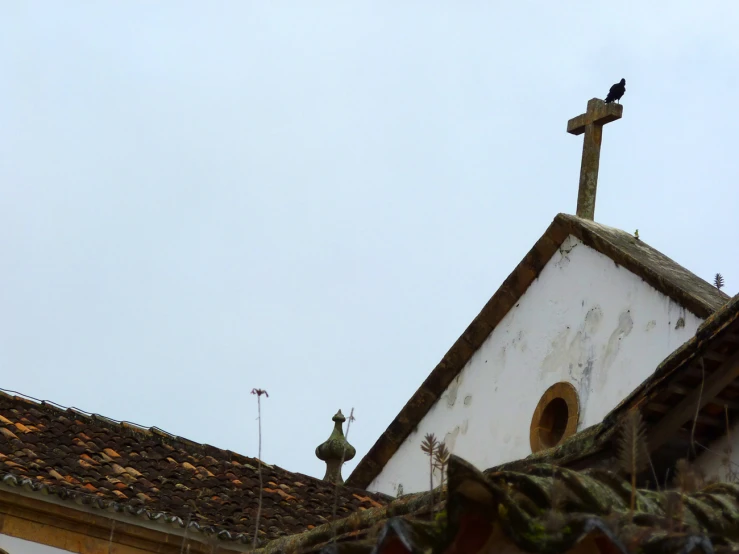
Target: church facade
x=585, y=318
x=592, y=330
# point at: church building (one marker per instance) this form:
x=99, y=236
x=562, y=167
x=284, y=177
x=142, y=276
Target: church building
x=595, y=341
x=585, y=317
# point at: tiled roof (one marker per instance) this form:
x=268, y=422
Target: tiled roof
x=542, y=509
x=118, y=466
x=659, y=271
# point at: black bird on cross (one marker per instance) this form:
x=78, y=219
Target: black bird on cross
x=616, y=92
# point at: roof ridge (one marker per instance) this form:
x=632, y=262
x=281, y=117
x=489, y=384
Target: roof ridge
x=641, y=244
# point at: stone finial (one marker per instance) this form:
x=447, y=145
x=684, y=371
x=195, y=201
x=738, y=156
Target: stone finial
x=334, y=449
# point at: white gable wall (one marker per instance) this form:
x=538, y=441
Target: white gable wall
x=586, y=321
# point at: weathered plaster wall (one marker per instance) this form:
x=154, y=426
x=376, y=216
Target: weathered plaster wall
x=13, y=545
x=586, y=321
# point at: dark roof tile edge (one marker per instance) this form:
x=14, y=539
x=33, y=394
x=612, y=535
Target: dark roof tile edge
x=408, y=504
x=606, y=240
x=93, y=501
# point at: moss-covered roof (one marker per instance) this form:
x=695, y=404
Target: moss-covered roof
x=659, y=271
x=542, y=509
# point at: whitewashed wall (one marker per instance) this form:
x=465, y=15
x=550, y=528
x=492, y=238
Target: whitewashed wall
x=586, y=321
x=13, y=545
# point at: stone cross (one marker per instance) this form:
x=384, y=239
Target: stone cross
x=591, y=123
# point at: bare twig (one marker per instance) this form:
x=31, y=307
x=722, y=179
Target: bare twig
x=110, y=539
x=441, y=460
x=429, y=447
x=259, y=393
x=187, y=526
x=336, y=482
x=698, y=406
x=728, y=428
x=730, y=473
x=654, y=473
x=632, y=450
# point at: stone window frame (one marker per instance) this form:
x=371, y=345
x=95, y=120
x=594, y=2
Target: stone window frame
x=558, y=392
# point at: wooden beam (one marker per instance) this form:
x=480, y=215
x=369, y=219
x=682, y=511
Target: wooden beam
x=704, y=419
x=711, y=421
x=679, y=389
x=715, y=356
x=721, y=402
x=685, y=411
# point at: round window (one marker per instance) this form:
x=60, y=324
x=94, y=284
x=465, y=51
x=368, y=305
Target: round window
x=555, y=418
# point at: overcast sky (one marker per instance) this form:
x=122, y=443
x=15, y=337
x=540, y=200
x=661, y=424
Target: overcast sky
x=316, y=198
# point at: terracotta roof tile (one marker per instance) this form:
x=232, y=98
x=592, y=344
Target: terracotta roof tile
x=94, y=459
x=7, y=433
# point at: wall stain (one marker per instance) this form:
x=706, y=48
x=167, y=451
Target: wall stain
x=593, y=319
x=468, y=400
x=450, y=439
x=622, y=330
x=519, y=342
x=651, y=325
x=584, y=389
x=498, y=364
x=567, y=246
x=453, y=390
x=502, y=356
x=558, y=354
x=574, y=355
